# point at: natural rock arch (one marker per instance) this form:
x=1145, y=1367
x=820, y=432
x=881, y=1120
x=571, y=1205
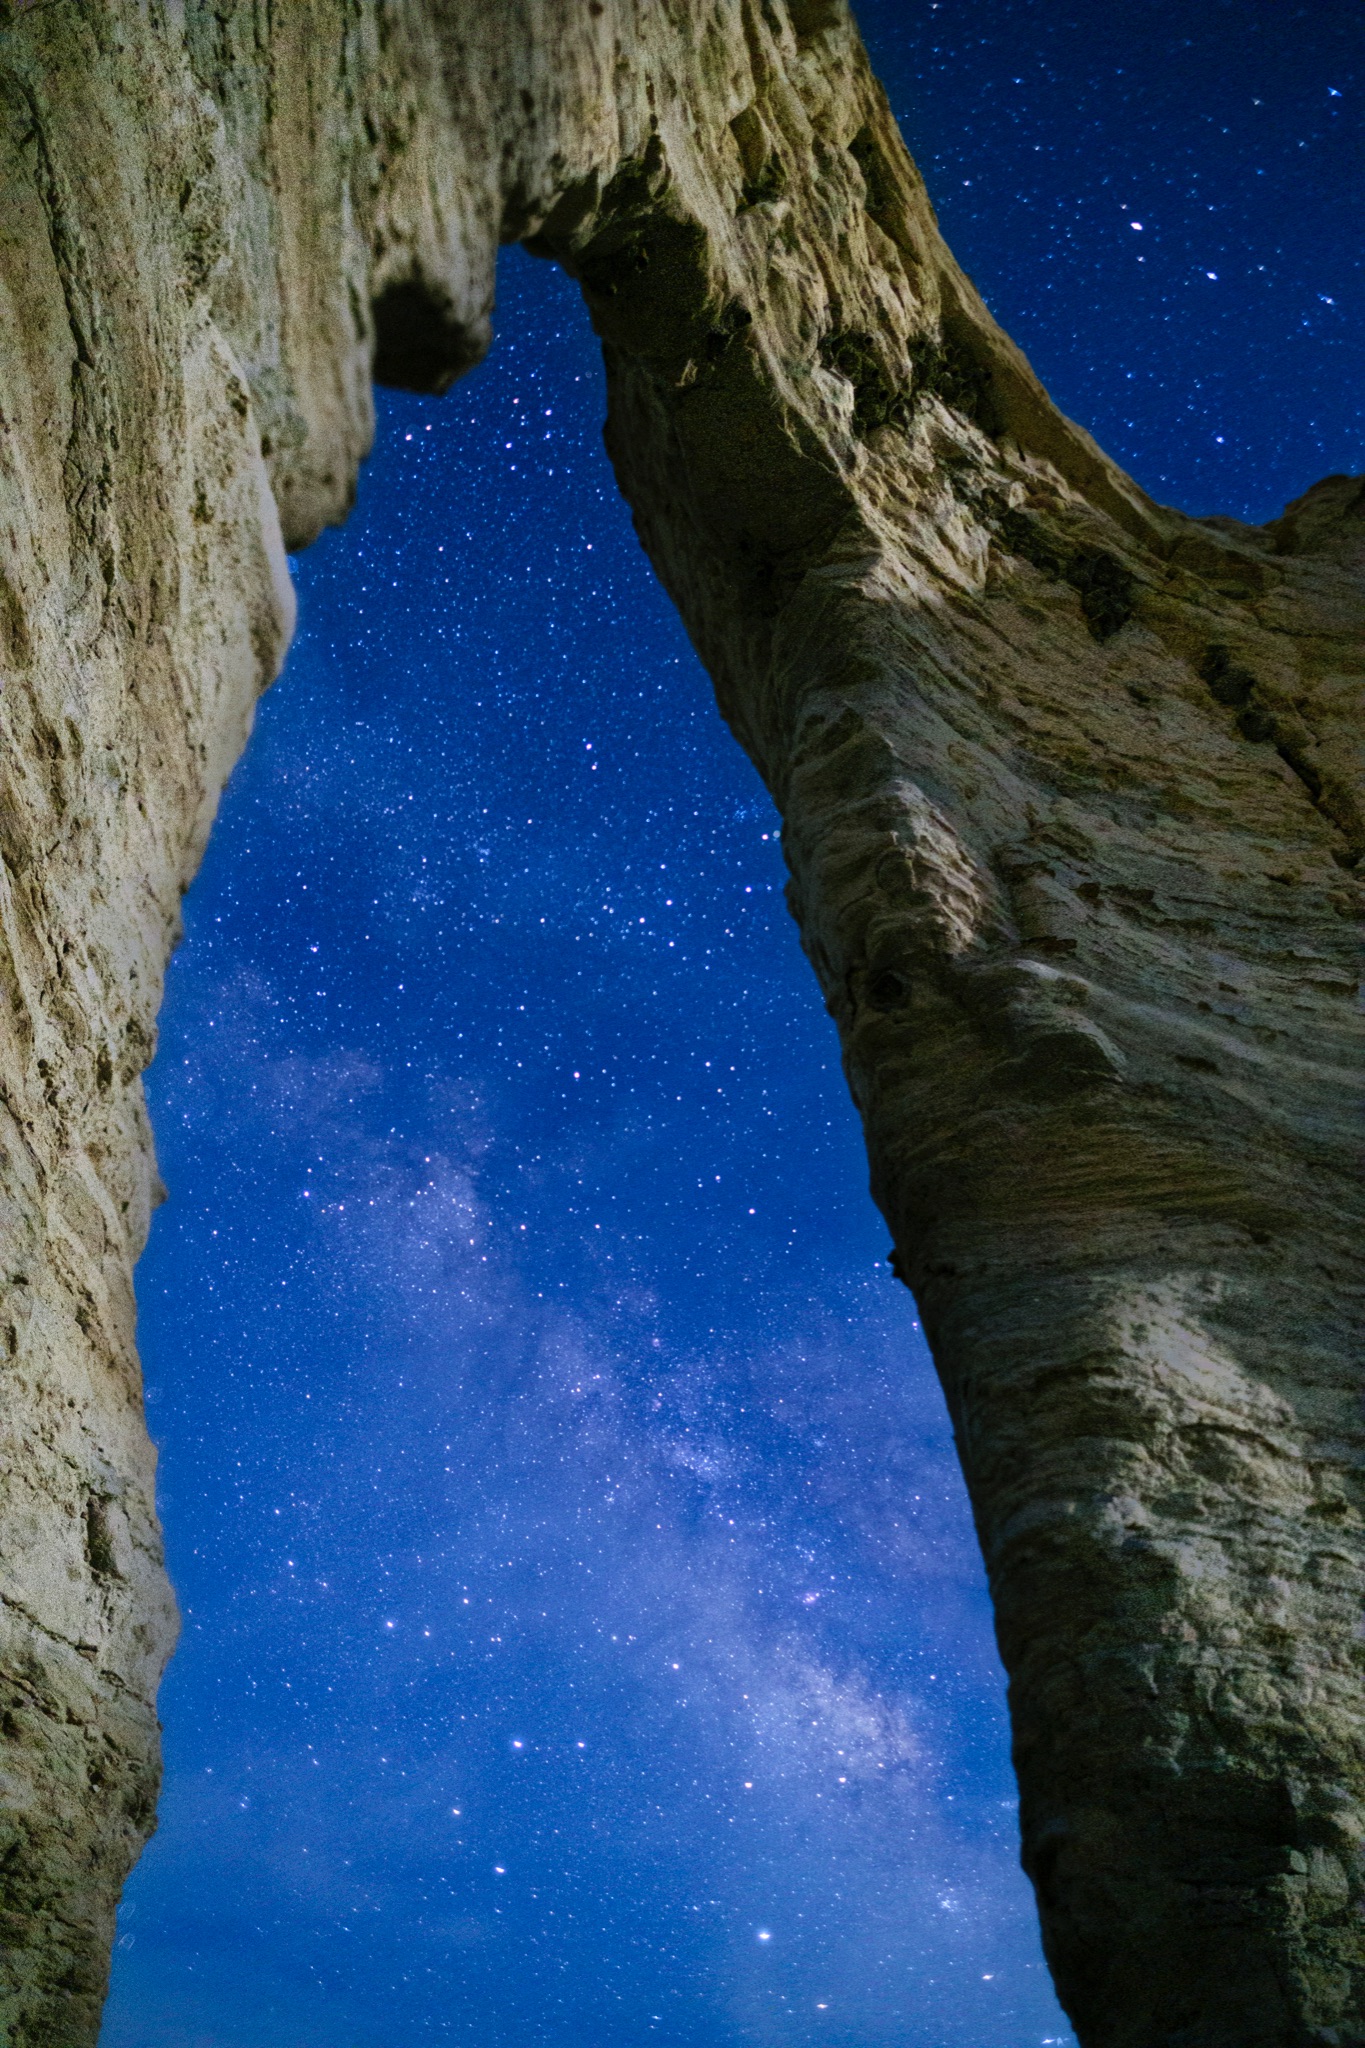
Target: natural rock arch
x=1072, y=801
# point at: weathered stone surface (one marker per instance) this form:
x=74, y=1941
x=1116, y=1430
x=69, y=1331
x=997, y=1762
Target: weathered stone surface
x=1073, y=801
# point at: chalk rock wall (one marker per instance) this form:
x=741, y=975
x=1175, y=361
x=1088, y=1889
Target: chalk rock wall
x=1073, y=800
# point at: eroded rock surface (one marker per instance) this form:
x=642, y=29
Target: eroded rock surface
x=1073, y=800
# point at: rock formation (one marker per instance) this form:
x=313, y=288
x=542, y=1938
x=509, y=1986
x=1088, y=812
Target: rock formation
x=1073, y=803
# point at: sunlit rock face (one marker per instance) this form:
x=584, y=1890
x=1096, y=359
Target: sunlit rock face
x=1072, y=795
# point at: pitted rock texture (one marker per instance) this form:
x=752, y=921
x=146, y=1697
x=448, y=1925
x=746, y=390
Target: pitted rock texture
x=1073, y=800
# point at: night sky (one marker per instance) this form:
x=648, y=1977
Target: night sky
x=584, y=1641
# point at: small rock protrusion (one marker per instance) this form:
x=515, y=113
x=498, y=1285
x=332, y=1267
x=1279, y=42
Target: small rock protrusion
x=108, y=1547
x=1227, y=682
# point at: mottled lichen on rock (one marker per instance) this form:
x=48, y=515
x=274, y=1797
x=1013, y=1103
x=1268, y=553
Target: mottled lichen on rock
x=763, y=172
x=945, y=368
x=1026, y=536
x=1229, y=683
x=884, y=398
x=1107, y=588
x=877, y=400
x=878, y=184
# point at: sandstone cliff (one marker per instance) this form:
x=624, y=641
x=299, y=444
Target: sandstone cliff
x=1073, y=802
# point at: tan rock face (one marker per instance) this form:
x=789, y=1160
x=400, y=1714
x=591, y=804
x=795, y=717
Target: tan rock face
x=1073, y=801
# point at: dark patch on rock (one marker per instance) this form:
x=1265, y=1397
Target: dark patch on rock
x=765, y=174
x=1228, y=683
x=887, y=991
x=810, y=17
x=735, y=318
x=875, y=174
x=1028, y=538
x=946, y=368
x=419, y=344
x=1106, y=590
x=877, y=402
x=1256, y=724
x=939, y=368
x=768, y=183
x=1261, y=720
x=16, y=648
x=101, y=1548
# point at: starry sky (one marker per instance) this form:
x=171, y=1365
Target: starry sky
x=584, y=1639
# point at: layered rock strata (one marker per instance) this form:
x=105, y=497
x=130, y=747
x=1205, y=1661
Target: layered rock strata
x=1073, y=801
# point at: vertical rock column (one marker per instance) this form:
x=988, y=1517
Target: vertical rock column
x=1071, y=789
x=1100, y=1025
x=212, y=221
x=143, y=603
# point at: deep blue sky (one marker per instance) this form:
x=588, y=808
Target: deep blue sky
x=584, y=1638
